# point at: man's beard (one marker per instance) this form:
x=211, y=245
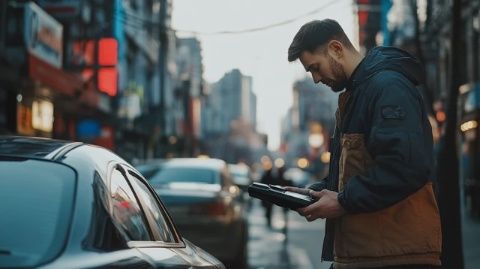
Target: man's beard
x=340, y=78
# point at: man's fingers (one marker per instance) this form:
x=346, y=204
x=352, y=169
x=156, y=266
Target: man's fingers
x=313, y=208
x=317, y=194
x=308, y=210
x=302, y=212
x=312, y=217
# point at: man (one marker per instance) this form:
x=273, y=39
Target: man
x=378, y=198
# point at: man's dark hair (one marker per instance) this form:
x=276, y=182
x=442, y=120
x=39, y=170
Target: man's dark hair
x=314, y=34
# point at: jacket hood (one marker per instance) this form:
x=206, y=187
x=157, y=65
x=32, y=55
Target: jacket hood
x=388, y=58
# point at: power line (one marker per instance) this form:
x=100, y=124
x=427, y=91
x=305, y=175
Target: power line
x=139, y=23
x=261, y=28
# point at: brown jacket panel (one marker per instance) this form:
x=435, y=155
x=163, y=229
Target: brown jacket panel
x=408, y=232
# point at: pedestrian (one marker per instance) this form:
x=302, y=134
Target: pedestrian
x=377, y=200
x=268, y=178
x=283, y=181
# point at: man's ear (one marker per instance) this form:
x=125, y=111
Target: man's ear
x=335, y=49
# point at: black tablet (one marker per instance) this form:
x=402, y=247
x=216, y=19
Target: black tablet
x=279, y=196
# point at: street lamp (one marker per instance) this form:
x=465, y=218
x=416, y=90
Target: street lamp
x=315, y=140
x=302, y=163
x=279, y=162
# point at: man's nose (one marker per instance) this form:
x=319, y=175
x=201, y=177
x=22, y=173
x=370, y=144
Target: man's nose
x=316, y=78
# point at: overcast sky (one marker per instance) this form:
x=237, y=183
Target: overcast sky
x=262, y=54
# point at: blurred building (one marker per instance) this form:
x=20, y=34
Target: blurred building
x=211, y=113
x=187, y=102
x=234, y=97
x=313, y=103
x=148, y=67
x=229, y=120
x=308, y=124
x=93, y=71
x=57, y=80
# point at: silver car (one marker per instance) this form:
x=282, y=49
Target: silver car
x=74, y=205
x=205, y=203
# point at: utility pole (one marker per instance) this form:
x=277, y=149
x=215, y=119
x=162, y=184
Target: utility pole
x=448, y=170
x=162, y=63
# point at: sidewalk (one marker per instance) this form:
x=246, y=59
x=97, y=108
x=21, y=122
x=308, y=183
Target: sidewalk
x=268, y=248
x=471, y=242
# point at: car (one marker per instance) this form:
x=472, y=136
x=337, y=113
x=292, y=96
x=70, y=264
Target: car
x=73, y=205
x=241, y=175
x=205, y=203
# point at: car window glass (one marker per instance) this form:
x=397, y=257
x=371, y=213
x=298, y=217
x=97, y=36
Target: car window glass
x=103, y=234
x=169, y=175
x=36, y=207
x=152, y=209
x=126, y=210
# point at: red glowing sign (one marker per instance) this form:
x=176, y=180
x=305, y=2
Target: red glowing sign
x=107, y=80
x=362, y=18
x=107, y=51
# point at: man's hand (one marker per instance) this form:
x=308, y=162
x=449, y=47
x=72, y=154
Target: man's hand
x=327, y=205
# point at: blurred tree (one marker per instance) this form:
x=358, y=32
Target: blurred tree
x=447, y=159
x=419, y=53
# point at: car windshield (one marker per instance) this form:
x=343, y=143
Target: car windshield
x=167, y=175
x=36, y=205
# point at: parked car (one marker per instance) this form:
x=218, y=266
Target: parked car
x=205, y=203
x=73, y=205
x=241, y=175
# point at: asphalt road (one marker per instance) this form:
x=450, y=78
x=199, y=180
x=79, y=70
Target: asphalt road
x=300, y=248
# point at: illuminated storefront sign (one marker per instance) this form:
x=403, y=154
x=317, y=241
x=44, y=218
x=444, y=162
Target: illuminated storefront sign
x=107, y=80
x=42, y=115
x=43, y=35
x=24, y=119
x=108, y=58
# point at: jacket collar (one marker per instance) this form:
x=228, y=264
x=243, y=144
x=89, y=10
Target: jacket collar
x=352, y=81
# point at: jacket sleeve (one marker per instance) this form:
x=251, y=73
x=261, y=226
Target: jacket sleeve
x=400, y=143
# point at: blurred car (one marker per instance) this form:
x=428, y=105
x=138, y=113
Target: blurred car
x=73, y=205
x=298, y=177
x=205, y=204
x=241, y=175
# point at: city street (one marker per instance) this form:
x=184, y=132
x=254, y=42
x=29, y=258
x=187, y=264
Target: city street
x=130, y=129
x=268, y=248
